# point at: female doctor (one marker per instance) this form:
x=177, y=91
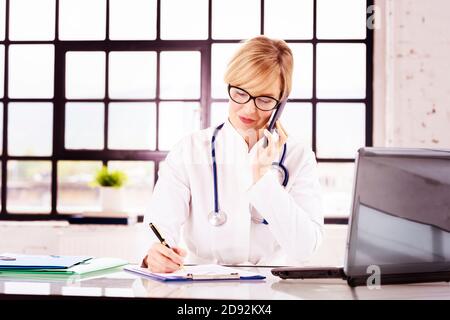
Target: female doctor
x=234, y=199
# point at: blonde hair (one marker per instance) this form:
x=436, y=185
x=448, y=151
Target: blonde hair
x=259, y=62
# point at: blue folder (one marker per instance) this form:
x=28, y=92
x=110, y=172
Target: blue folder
x=14, y=261
x=198, y=272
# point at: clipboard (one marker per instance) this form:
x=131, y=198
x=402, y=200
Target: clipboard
x=208, y=272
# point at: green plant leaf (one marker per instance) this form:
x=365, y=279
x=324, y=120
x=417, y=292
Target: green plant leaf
x=106, y=178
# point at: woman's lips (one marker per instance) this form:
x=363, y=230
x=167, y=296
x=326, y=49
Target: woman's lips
x=246, y=120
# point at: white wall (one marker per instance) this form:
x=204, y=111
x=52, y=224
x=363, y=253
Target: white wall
x=412, y=74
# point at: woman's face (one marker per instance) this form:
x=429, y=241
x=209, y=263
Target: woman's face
x=246, y=117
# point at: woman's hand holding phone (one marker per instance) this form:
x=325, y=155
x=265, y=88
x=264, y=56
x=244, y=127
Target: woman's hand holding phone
x=266, y=155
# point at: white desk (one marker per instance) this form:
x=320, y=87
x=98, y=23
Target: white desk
x=128, y=285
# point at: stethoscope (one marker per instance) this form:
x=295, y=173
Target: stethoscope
x=219, y=217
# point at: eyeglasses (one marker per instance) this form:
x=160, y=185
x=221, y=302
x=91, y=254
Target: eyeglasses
x=241, y=96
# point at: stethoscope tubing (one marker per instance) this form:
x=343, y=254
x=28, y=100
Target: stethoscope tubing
x=213, y=156
x=282, y=167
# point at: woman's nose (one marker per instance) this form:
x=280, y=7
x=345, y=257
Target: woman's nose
x=250, y=107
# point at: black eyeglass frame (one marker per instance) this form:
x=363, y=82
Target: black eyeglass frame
x=250, y=97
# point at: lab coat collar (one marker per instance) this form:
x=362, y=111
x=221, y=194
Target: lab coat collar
x=233, y=136
x=231, y=147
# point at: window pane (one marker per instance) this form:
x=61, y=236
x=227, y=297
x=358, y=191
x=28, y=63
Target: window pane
x=85, y=75
x=219, y=113
x=132, y=19
x=220, y=57
x=177, y=119
x=2, y=69
x=303, y=70
x=132, y=75
x=82, y=19
x=336, y=180
x=32, y=20
x=75, y=194
x=132, y=126
x=235, y=19
x=180, y=74
x=31, y=69
x=341, y=19
x=139, y=187
x=2, y=19
x=30, y=127
x=341, y=70
x=297, y=120
x=181, y=19
x=29, y=186
x=288, y=19
x=340, y=129
x=84, y=125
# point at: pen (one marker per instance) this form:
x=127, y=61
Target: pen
x=161, y=239
x=158, y=235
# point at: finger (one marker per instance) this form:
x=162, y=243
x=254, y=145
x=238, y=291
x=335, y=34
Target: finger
x=275, y=142
x=157, y=266
x=146, y=262
x=167, y=268
x=273, y=138
x=165, y=261
x=153, y=265
x=282, y=141
x=170, y=254
x=280, y=125
x=282, y=133
x=267, y=152
x=180, y=251
x=268, y=136
x=281, y=130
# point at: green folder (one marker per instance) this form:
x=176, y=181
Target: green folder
x=95, y=266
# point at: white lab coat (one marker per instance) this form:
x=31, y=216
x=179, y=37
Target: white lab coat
x=184, y=196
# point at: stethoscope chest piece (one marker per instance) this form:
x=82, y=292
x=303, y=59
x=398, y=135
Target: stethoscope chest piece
x=217, y=218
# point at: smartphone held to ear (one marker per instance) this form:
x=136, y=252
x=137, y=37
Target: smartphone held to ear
x=275, y=116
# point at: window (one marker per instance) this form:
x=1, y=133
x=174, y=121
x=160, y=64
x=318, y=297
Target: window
x=86, y=83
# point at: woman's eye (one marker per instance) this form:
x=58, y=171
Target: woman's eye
x=265, y=100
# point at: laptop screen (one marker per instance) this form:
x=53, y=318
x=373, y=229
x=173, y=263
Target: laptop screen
x=401, y=214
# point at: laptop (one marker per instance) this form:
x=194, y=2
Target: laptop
x=399, y=228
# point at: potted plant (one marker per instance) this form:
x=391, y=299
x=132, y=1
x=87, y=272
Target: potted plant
x=110, y=183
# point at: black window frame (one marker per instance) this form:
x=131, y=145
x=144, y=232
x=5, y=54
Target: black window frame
x=157, y=45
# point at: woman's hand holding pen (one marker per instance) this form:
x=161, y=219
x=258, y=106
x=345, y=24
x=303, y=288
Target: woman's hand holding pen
x=265, y=156
x=163, y=259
